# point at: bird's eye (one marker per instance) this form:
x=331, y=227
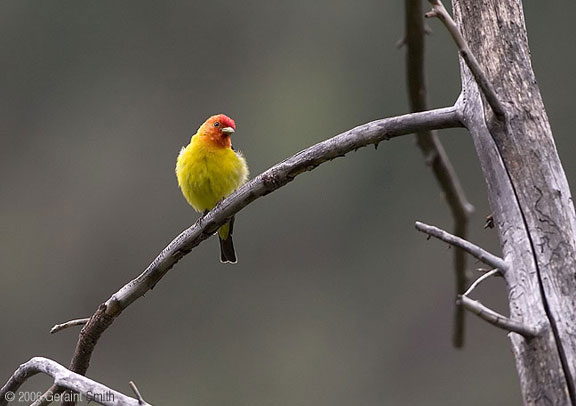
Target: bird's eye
x=216, y=124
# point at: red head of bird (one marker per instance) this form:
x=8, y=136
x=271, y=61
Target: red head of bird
x=218, y=129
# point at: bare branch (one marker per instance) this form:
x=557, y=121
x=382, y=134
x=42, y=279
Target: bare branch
x=48, y=396
x=481, y=279
x=439, y=11
x=434, y=153
x=137, y=393
x=489, y=315
x=71, y=323
x=265, y=183
x=64, y=378
x=497, y=319
x=467, y=246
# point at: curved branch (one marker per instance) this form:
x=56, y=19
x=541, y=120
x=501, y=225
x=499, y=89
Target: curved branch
x=434, y=152
x=64, y=378
x=265, y=183
x=481, y=279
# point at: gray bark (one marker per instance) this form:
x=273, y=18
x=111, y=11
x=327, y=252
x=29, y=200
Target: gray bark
x=529, y=195
x=91, y=390
x=527, y=190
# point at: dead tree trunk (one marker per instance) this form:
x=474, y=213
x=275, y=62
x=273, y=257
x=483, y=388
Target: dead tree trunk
x=532, y=207
x=529, y=195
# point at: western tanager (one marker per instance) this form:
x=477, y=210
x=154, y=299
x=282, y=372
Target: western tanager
x=208, y=169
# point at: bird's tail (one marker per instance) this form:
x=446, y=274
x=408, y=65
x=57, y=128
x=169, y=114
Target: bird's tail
x=227, y=252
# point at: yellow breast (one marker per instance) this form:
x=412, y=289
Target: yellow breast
x=207, y=173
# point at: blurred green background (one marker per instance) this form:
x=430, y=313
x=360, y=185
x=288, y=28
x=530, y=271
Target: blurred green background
x=336, y=300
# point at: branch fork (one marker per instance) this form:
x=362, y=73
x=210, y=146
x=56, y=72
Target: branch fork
x=474, y=306
x=64, y=378
x=440, y=12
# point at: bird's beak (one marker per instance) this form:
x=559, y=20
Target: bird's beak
x=227, y=130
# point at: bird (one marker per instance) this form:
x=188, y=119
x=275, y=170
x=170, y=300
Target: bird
x=208, y=170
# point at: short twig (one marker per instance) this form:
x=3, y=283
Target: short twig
x=401, y=42
x=71, y=323
x=439, y=11
x=64, y=378
x=48, y=396
x=472, y=249
x=481, y=279
x=137, y=393
x=496, y=319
